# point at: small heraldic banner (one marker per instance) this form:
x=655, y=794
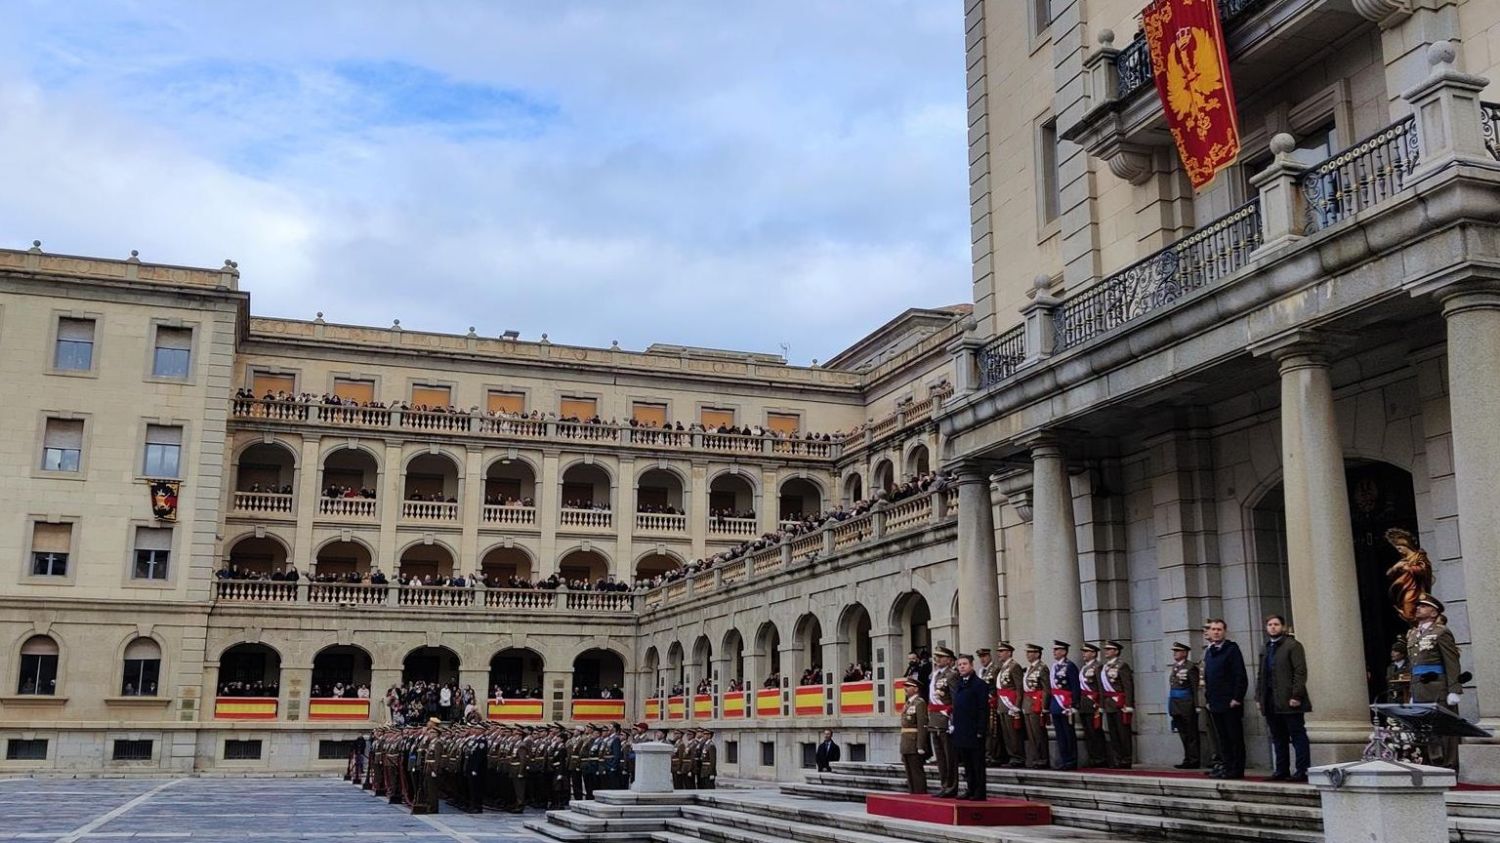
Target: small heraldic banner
x=1191, y=68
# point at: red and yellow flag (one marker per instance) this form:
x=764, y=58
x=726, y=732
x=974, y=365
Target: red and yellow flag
x=857, y=698
x=676, y=708
x=529, y=711
x=768, y=703
x=734, y=704
x=703, y=707
x=1191, y=66
x=653, y=708
x=808, y=700
x=245, y=708
x=900, y=695
x=338, y=708
x=598, y=709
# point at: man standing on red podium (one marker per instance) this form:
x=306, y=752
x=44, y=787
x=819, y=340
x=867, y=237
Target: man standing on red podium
x=968, y=726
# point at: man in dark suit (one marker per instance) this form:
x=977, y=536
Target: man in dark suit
x=968, y=726
x=828, y=752
x=1281, y=690
x=1224, y=685
x=1065, y=691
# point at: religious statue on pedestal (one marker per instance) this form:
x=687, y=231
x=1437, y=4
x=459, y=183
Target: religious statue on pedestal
x=1411, y=576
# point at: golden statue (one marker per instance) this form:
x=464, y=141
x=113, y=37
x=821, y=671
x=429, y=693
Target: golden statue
x=1411, y=576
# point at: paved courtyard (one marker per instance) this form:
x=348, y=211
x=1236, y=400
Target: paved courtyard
x=229, y=810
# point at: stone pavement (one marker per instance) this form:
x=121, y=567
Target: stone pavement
x=229, y=810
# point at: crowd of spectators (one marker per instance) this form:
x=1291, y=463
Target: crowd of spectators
x=812, y=676
x=270, y=488
x=792, y=528
x=857, y=672
x=334, y=490
x=508, y=501
x=589, y=692
x=290, y=574
x=341, y=690
x=254, y=688
x=416, y=702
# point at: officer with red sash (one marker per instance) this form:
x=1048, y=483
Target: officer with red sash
x=1118, y=683
x=1089, y=710
x=1035, y=689
x=1009, y=678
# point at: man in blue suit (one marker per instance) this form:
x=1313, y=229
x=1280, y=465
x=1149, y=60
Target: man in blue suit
x=969, y=725
x=1225, y=682
x=1062, y=703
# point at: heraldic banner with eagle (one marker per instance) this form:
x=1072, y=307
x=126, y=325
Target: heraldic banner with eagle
x=1191, y=68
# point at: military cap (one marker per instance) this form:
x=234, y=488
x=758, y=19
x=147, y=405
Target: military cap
x=1429, y=600
x=433, y=721
x=911, y=682
x=1005, y=646
x=944, y=652
x=982, y=651
x=642, y=726
x=1398, y=646
x=1061, y=645
x=1089, y=648
x=1112, y=645
x=1033, y=648
x=1178, y=645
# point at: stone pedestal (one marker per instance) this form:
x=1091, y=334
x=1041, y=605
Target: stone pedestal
x=1383, y=802
x=653, y=768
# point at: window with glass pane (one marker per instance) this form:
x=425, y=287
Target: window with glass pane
x=142, y=668
x=75, y=345
x=62, y=445
x=50, y=544
x=153, y=551
x=163, y=450
x=174, y=351
x=38, y=666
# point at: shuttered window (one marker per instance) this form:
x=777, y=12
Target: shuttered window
x=174, y=351
x=62, y=445
x=649, y=414
x=506, y=402
x=582, y=408
x=50, y=546
x=432, y=396
x=263, y=383
x=353, y=390
x=785, y=423
x=75, y=345
x=712, y=417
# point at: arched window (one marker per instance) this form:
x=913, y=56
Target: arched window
x=142, y=668
x=38, y=666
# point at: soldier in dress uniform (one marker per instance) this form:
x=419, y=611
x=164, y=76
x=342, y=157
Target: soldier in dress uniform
x=1034, y=690
x=1398, y=675
x=1118, y=701
x=915, y=747
x=1182, y=704
x=520, y=763
x=1089, y=709
x=938, y=707
x=1009, y=698
x=679, y=760
x=987, y=668
x=614, y=758
x=1434, y=674
x=575, y=761
x=707, y=760
x=1063, y=679
x=593, y=761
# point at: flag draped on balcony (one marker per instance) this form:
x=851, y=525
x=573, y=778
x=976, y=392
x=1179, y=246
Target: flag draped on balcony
x=1191, y=67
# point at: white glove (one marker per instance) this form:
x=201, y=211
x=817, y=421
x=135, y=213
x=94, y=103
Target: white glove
x=1453, y=700
x=1129, y=710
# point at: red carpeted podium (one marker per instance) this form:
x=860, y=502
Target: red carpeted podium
x=997, y=810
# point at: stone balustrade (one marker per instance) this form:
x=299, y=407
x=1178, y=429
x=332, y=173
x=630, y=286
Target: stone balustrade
x=519, y=516
x=598, y=519
x=357, y=594
x=737, y=527
x=425, y=596
x=264, y=503
x=255, y=591
x=429, y=511
x=656, y=522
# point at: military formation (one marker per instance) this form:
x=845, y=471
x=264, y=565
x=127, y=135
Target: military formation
x=485, y=765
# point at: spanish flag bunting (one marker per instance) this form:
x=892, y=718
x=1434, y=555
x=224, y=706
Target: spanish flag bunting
x=244, y=708
x=857, y=698
x=809, y=701
x=337, y=708
x=606, y=710
x=768, y=703
x=703, y=707
x=516, y=710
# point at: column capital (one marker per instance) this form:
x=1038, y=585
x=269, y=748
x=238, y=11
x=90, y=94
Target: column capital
x=1302, y=348
x=1045, y=443
x=971, y=471
x=1463, y=288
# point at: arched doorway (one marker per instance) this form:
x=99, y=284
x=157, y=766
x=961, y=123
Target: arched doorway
x=432, y=478
x=343, y=560
x=883, y=478
x=598, y=672
x=917, y=461
x=430, y=664
x=800, y=498
x=911, y=615
x=516, y=672
x=583, y=566
x=703, y=665
x=857, y=649
x=808, y=636
x=339, y=671
x=263, y=478
x=660, y=492
x=653, y=672
x=768, y=652
x=258, y=556
x=587, y=487
x=676, y=670
x=426, y=561
x=734, y=645
x=655, y=565
x=730, y=496
x=506, y=567
x=1380, y=496
x=249, y=670
x=509, y=483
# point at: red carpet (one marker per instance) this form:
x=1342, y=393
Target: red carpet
x=929, y=809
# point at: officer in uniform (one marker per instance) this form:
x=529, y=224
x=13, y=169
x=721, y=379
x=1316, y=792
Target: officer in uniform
x=614, y=758
x=1009, y=698
x=707, y=760
x=915, y=749
x=520, y=765
x=1182, y=704
x=679, y=760
x=938, y=707
x=593, y=757
x=987, y=669
x=1089, y=708
x=1398, y=674
x=1035, y=688
x=1118, y=683
x=1434, y=674
x=1063, y=679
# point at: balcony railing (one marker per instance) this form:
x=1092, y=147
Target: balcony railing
x=908, y=415
x=1489, y=125
x=656, y=522
x=357, y=594
x=434, y=595
x=1361, y=176
x=522, y=516
x=1134, y=61
x=511, y=598
x=739, y=527
x=263, y=502
x=597, y=519
x=429, y=511
x=348, y=507
x=1002, y=356
x=394, y=595
x=467, y=424
x=255, y=591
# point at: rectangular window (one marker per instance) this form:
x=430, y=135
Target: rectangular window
x=858, y=752
x=50, y=545
x=1049, y=184
x=128, y=750
x=731, y=752
x=649, y=414
x=768, y=753
x=163, y=450
x=809, y=755
x=19, y=749
x=141, y=676
x=334, y=750
x=582, y=409
x=153, y=552
x=505, y=402
x=270, y=383
x=38, y=673
x=75, y=345
x=432, y=396
x=784, y=423
x=1041, y=15
x=174, y=351
x=62, y=445
x=348, y=389
x=242, y=750
x=712, y=417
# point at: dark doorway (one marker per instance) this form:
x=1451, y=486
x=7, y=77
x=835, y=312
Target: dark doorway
x=1380, y=497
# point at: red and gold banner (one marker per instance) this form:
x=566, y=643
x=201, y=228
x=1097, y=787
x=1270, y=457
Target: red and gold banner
x=734, y=704
x=525, y=711
x=338, y=708
x=703, y=707
x=600, y=710
x=857, y=698
x=808, y=701
x=653, y=709
x=768, y=703
x=900, y=696
x=1191, y=66
x=244, y=708
x=676, y=708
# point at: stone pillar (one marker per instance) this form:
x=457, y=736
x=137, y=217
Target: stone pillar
x=1283, y=210
x=1383, y=802
x=471, y=509
x=548, y=503
x=697, y=508
x=391, y=480
x=1039, y=318
x=888, y=660
x=625, y=505
x=1320, y=541
x=1446, y=108
x=653, y=761
x=978, y=577
x=210, y=691
x=308, y=488
x=1054, y=548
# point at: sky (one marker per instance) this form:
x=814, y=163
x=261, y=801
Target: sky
x=718, y=173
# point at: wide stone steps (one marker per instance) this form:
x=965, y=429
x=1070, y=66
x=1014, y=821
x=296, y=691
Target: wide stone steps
x=808, y=822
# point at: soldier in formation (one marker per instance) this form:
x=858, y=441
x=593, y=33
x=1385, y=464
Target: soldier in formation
x=1009, y=698
x=1433, y=653
x=939, y=709
x=1182, y=704
x=1117, y=699
x=1090, y=709
x=916, y=746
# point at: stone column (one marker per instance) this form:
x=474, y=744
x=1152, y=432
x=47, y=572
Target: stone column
x=888, y=662
x=471, y=509
x=548, y=503
x=1054, y=548
x=978, y=577
x=392, y=479
x=1320, y=541
x=308, y=489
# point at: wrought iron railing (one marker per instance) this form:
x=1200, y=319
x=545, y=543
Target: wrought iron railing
x=1000, y=358
x=1489, y=124
x=1218, y=249
x=1361, y=176
x=1134, y=61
